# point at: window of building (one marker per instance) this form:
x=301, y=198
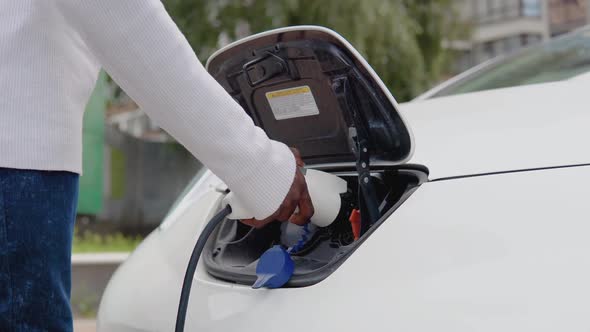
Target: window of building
x=531, y=8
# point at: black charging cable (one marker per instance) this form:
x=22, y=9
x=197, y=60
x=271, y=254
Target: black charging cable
x=192, y=266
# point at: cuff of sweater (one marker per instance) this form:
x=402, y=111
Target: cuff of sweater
x=264, y=192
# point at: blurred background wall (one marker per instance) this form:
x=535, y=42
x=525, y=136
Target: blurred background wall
x=143, y=179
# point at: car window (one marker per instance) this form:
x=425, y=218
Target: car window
x=558, y=59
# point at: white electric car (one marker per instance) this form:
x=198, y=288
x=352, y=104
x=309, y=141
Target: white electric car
x=476, y=217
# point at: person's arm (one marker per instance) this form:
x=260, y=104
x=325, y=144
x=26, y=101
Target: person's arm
x=143, y=50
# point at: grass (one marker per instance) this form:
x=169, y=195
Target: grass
x=91, y=242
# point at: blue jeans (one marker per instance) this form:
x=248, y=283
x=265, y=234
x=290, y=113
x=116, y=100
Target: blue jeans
x=37, y=214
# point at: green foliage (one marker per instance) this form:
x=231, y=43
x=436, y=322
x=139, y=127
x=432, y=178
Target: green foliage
x=92, y=242
x=402, y=39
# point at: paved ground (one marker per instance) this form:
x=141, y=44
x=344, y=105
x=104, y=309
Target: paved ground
x=84, y=325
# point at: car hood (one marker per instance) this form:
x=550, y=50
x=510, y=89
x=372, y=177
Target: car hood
x=526, y=127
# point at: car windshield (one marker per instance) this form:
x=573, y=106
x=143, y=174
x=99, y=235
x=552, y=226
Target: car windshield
x=558, y=59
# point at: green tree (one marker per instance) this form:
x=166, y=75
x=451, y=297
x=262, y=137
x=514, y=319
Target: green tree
x=401, y=39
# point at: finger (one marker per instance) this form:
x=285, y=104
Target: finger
x=287, y=209
x=306, y=210
x=292, y=200
x=296, y=153
x=298, y=159
x=250, y=222
x=258, y=223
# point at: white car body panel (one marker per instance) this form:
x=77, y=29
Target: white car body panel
x=502, y=130
x=513, y=256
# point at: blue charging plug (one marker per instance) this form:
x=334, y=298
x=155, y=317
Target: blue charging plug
x=275, y=268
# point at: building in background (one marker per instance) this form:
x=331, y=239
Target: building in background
x=567, y=15
x=503, y=26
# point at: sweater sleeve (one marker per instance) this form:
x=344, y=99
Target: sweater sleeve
x=143, y=50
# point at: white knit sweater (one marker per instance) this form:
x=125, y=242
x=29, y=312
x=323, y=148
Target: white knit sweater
x=50, y=55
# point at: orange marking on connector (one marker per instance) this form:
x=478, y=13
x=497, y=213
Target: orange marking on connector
x=355, y=222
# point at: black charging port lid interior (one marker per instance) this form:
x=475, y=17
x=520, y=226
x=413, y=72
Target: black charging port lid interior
x=310, y=89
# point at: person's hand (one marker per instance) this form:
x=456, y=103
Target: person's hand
x=297, y=197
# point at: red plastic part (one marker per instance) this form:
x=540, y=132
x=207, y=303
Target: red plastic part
x=355, y=222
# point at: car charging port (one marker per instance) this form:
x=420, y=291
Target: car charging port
x=233, y=251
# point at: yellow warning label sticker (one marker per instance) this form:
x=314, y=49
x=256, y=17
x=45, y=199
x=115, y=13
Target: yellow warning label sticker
x=288, y=92
x=292, y=103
